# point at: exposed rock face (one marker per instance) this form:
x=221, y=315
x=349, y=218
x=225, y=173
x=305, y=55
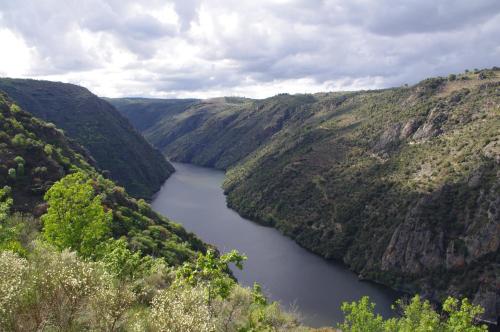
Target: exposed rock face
x=488, y=298
x=389, y=139
x=409, y=128
x=432, y=126
x=419, y=246
x=401, y=184
x=414, y=247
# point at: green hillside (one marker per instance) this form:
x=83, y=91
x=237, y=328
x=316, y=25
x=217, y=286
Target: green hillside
x=143, y=112
x=116, y=146
x=78, y=254
x=35, y=154
x=400, y=184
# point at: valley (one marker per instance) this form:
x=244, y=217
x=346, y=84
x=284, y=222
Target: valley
x=396, y=187
x=296, y=278
x=250, y=166
x=399, y=184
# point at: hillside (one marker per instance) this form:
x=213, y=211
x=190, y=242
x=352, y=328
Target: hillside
x=144, y=112
x=400, y=184
x=78, y=254
x=116, y=146
x=144, y=273
x=35, y=154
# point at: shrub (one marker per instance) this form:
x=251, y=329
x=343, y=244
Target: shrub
x=212, y=271
x=14, y=108
x=20, y=169
x=19, y=140
x=19, y=160
x=55, y=291
x=12, y=173
x=182, y=308
x=5, y=203
x=417, y=316
x=109, y=305
x=124, y=264
x=48, y=149
x=12, y=270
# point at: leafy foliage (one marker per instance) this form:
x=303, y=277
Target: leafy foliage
x=213, y=271
x=5, y=203
x=417, y=316
x=48, y=157
x=75, y=218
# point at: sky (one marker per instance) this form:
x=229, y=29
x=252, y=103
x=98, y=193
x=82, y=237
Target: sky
x=252, y=48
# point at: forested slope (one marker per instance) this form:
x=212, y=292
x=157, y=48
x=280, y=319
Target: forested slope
x=400, y=184
x=144, y=112
x=116, y=146
x=78, y=254
x=35, y=154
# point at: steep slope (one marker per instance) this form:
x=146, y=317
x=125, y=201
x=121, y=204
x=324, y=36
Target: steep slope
x=34, y=154
x=221, y=131
x=143, y=113
x=401, y=184
x=116, y=146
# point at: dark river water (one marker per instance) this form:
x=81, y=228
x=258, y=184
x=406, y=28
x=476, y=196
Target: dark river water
x=288, y=273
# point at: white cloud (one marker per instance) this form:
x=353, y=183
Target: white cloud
x=16, y=57
x=255, y=48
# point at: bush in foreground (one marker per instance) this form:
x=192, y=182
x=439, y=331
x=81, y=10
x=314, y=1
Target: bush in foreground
x=416, y=316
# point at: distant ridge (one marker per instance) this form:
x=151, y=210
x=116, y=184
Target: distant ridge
x=99, y=127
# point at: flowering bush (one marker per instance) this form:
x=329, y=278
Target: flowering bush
x=12, y=272
x=182, y=309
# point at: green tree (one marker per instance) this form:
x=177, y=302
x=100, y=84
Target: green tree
x=212, y=271
x=417, y=316
x=360, y=317
x=19, y=160
x=5, y=203
x=10, y=230
x=75, y=218
x=462, y=316
x=19, y=140
x=48, y=149
x=20, y=169
x=123, y=263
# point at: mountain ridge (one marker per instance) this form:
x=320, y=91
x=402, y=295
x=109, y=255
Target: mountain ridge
x=114, y=143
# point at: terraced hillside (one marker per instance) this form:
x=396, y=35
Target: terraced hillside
x=94, y=123
x=400, y=184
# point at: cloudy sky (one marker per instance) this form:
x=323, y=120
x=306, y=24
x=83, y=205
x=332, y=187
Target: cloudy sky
x=254, y=48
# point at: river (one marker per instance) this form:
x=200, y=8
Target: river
x=287, y=272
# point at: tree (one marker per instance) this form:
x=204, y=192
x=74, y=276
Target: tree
x=417, y=316
x=212, y=271
x=5, y=203
x=75, y=218
x=48, y=149
x=123, y=263
x=360, y=317
x=19, y=160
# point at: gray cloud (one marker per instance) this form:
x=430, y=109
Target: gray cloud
x=207, y=47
